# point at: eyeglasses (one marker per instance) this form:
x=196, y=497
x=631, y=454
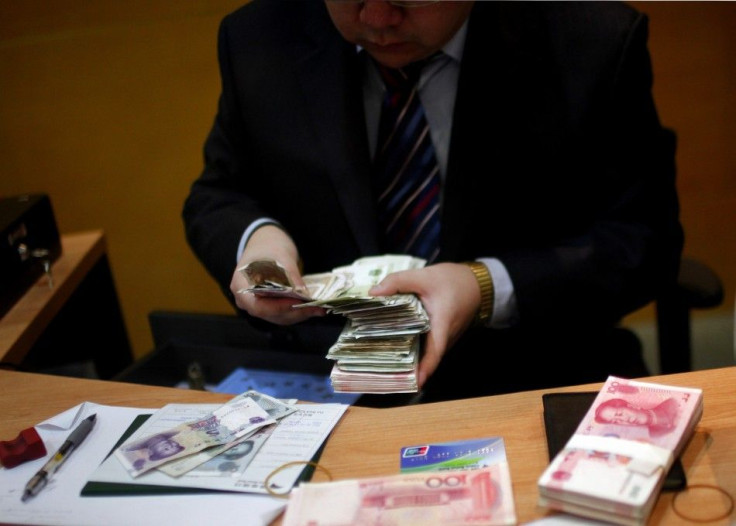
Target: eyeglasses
x=395, y=3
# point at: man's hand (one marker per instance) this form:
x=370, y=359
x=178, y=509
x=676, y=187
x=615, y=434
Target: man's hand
x=271, y=242
x=451, y=297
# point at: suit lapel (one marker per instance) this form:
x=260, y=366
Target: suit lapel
x=330, y=77
x=495, y=48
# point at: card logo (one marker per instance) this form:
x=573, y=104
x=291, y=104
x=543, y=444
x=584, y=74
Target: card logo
x=416, y=451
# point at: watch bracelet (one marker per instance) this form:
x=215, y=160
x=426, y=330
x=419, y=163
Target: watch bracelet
x=487, y=292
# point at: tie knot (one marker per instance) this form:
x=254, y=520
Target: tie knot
x=400, y=79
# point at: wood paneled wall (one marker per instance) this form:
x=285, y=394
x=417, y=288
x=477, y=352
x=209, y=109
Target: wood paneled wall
x=104, y=105
x=693, y=48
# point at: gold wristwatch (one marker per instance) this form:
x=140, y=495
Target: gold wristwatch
x=486, y=291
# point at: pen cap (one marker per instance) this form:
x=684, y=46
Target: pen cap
x=26, y=446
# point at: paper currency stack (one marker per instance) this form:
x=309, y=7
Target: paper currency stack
x=378, y=350
x=473, y=497
x=613, y=467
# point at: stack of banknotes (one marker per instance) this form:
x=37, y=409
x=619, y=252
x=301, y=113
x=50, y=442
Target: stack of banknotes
x=378, y=350
x=458, y=497
x=613, y=467
x=186, y=446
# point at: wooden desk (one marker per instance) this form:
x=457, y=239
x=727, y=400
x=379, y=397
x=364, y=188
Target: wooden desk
x=367, y=441
x=83, y=259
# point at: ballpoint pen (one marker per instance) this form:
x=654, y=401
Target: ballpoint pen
x=39, y=480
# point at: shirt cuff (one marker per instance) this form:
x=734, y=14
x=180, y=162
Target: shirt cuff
x=505, y=311
x=255, y=225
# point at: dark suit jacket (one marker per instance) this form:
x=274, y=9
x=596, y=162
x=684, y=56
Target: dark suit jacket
x=558, y=166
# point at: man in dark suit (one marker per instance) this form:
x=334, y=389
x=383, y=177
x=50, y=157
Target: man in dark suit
x=556, y=175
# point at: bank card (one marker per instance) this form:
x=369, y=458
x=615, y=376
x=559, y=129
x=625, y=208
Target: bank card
x=462, y=454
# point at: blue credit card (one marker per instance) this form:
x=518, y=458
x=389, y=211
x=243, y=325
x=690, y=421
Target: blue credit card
x=462, y=454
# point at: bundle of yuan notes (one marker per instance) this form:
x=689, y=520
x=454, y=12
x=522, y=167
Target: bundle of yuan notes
x=459, y=497
x=613, y=467
x=378, y=350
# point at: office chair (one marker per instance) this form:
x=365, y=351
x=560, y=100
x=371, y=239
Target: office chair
x=698, y=287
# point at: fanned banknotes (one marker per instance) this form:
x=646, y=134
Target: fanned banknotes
x=226, y=424
x=340, y=287
x=267, y=277
x=378, y=350
x=614, y=465
x=276, y=410
x=185, y=446
x=274, y=454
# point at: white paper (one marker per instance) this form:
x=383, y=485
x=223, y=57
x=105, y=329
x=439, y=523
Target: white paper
x=60, y=503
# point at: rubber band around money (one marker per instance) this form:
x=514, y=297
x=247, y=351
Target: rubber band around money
x=288, y=465
x=729, y=500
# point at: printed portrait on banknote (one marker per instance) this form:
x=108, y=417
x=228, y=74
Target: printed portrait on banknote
x=659, y=419
x=156, y=447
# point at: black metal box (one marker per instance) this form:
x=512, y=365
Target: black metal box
x=29, y=236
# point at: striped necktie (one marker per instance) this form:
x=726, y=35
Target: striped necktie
x=406, y=173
